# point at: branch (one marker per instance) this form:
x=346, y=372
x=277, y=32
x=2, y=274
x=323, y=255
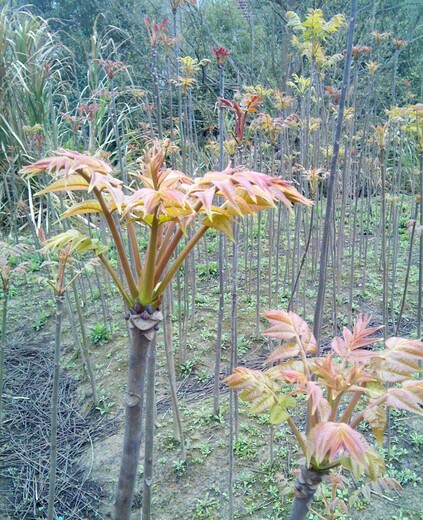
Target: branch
x=178, y=262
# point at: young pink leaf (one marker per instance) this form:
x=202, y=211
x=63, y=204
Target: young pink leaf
x=289, y=326
x=400, y=360
x=328, y=441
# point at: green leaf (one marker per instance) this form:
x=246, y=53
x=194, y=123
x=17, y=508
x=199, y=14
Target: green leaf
x=221, y=223
x=86, y=206
x=288, y=401
x=69, y=183
x=351, y=465
x=278, y=414
x=262, y=404
x=80, y=243
x=376, y=417
x=375, y=389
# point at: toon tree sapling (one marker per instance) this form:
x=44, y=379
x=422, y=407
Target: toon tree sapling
x=352, y=384
x=167, y=202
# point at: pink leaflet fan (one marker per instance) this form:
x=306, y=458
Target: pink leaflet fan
x=352, y=343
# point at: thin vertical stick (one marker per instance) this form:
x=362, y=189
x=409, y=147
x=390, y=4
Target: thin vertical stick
x=84, y=345
x=178, y=431
x=54, y=408
x=2, y=351
x=149, y=432
x=221, y=266
x=420, y=290
x=318, y=315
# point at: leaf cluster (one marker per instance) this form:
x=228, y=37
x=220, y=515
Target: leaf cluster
x=165, y=200
x=354, y=375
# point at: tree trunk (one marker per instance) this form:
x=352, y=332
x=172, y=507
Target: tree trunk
x=143, y=331
x=305, y=489
x=420, y=286
x=407, y=273
x=220, y=312
x=383, y=245
x=233, y=397
x=303, y=258
x=220, y=263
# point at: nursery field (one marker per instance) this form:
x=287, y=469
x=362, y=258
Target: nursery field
x=211, y=260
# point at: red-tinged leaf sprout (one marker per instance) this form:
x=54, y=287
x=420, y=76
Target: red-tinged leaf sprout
x=248, y=105
x=167, y=201
x=156, y=31
x=221, y=54
x=399, y=44
x=110, y=67
x=330, y=441
x=353, y=374
x=334, y=93
x=88, y=112
x=272, y=126
x=358, y=51
x=8, y=270
x=176, y=4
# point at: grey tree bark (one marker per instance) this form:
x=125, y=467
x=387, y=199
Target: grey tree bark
x=143, y=331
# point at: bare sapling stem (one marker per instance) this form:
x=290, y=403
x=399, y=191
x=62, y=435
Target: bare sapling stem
x=420, y=289
x=84, y=345
x=2, y=351
x=220, y=265
x=305, y=489
x=54, y=407
x=139, y=347
x=149, y=433
x=318, y=314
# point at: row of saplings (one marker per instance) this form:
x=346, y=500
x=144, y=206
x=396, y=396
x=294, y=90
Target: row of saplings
x=352, y=384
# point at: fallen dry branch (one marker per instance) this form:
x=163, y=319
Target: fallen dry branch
x=24, y=466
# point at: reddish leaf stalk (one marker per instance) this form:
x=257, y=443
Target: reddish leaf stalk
x=357, y=420
x=134, y=246
x=117, y=239
x=334, y=406
x=164, y=245
x=351, y=406
x=115, y=278
x=166, y=252
x=178, y=262
x=146, y=282
x=298, y=435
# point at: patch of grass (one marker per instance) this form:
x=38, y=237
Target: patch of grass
x=245, y=448
x=416, y=440
x=40, y=321
x=180, y=467
x=99, y=334
x=403, y=475
x=211, y=272
x=105, y=404
x=205, y=508
x=187, y=368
